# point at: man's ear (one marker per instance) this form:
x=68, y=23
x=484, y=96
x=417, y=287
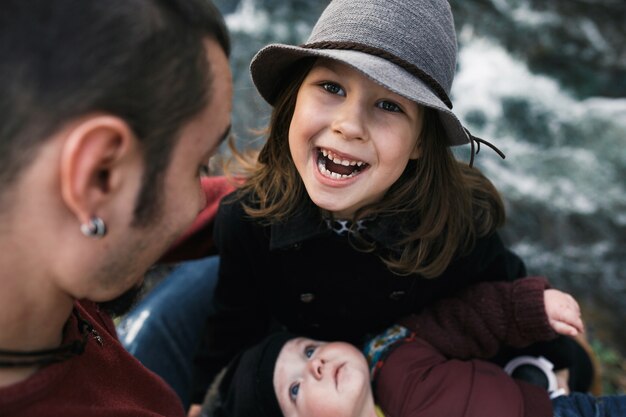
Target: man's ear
x=92, y=151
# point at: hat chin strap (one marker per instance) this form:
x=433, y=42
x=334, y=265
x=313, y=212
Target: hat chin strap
x=475, y=143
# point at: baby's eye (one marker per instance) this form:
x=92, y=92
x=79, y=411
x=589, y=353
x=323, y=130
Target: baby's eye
x=389, y=106
x=293, y=391
x=333, y=88
x=308, y=351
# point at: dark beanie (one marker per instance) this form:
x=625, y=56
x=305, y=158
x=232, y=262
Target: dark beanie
x=247, y=387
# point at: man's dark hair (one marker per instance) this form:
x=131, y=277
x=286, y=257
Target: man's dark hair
x=141, y=60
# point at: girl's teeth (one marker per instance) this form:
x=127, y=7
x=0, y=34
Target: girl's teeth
x=327, y=173
x=339, y=161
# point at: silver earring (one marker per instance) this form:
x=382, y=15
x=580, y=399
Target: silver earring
x=94, y=228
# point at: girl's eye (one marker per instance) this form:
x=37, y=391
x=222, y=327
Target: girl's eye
x=308, y=351
x=332, y=88
x=293, y=391
x=389, y=106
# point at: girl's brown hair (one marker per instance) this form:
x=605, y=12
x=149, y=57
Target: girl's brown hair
x=448, y=203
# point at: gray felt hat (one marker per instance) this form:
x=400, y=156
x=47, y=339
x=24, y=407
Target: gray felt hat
x=408, y=46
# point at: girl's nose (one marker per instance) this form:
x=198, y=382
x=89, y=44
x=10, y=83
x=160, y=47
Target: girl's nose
x=349, y=121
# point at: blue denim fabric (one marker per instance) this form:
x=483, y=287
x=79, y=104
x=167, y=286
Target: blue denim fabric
x=164, y=336
x=579, y=404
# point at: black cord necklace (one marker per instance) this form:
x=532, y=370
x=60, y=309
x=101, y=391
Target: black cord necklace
x=23, y=359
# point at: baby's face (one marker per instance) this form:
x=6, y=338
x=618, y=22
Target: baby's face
x=313, y=378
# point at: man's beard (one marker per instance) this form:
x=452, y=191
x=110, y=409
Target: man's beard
x=123, y=303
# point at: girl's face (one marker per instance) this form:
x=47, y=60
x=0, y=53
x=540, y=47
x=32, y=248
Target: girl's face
x=313, y=378
x=350, y=138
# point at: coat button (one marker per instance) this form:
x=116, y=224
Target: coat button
x=307, y=297
x=397, y=295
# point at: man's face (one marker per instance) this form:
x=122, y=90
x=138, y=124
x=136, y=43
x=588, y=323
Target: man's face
x=183, y=197
x=313, y=378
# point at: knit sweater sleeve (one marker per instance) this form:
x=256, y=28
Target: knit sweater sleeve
x=476, y=322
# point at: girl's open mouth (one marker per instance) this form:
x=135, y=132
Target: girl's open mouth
x=332, y=166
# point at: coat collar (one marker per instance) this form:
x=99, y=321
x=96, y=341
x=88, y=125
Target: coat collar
x=308, y=223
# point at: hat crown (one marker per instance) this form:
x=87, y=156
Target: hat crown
x=418, y=32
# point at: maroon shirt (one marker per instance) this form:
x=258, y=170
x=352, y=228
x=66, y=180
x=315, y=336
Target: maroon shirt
x=418, y=378
x=103, y=381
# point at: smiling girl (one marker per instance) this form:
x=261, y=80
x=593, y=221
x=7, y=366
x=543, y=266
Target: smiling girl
x=356, y=212
x=350, y=138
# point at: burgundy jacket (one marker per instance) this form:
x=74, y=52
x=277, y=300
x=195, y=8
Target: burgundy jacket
x=104, y=381
x=419, y=378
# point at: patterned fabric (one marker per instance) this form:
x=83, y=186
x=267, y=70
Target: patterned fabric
x=376, y=349
x=344, y=227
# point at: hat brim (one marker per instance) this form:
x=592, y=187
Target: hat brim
x=271, y=65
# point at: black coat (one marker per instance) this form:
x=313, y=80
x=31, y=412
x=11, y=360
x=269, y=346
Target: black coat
x=302, y=275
